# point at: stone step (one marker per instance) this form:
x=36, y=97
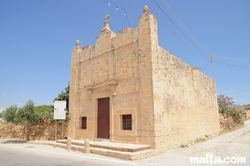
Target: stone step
x=121, y=147
x=111, y=153
x=51, y=143
x=59, y=145
x=124, y=155
x=111, y=145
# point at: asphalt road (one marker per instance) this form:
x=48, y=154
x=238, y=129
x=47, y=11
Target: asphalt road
x=233, y=144
x=25, y=154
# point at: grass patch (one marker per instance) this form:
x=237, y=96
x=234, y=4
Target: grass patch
x=200, y=140
x=184, y=146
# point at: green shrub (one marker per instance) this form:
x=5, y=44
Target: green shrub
x=184, y=146
x=237, y=117
x=10, y=114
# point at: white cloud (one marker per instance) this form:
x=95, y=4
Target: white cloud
x=3, y=94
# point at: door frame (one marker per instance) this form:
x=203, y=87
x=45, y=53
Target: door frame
x=95, y=95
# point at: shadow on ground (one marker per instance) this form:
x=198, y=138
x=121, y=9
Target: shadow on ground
x=14, y=141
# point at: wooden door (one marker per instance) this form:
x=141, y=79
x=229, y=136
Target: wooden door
x=103, y=118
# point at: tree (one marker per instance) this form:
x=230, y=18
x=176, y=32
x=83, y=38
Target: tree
x=27, y=116
x=228, y=108
x=64, y=96
x=10, y=114
x=225, y=103
x=44, y=112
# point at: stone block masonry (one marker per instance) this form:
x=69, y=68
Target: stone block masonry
x=44, y=131
x=154, y=97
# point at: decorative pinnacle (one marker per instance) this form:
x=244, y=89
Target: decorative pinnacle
x=77, y=43
x=145, y=9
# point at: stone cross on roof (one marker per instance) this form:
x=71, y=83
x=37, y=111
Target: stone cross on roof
x=106, y=18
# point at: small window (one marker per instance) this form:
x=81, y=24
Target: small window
x=84, y=122
x=127, y=122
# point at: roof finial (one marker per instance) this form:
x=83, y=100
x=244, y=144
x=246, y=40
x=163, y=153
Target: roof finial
x=145, y=9
x=106, y=24
x=106, y=18
x=77, y=44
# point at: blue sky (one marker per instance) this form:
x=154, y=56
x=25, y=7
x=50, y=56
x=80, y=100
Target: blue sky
x=37, y=37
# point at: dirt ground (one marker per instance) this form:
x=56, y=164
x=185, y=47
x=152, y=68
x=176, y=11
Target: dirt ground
x=232, y=144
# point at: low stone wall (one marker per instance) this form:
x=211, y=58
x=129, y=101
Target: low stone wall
x=44, y=131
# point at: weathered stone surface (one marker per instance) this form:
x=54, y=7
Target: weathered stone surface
x=170, y=102
x=44, y=131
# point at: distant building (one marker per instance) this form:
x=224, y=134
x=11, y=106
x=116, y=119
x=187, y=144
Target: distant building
x=127, y=88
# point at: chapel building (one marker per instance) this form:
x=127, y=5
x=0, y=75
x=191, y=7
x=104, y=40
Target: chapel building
x=127, y=88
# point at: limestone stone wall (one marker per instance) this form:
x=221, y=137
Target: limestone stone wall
x=185, y=104
x=44, y=131
x=170, y=102
x=118, y=67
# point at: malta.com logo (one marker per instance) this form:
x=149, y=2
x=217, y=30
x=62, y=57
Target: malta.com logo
x=210, y=159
